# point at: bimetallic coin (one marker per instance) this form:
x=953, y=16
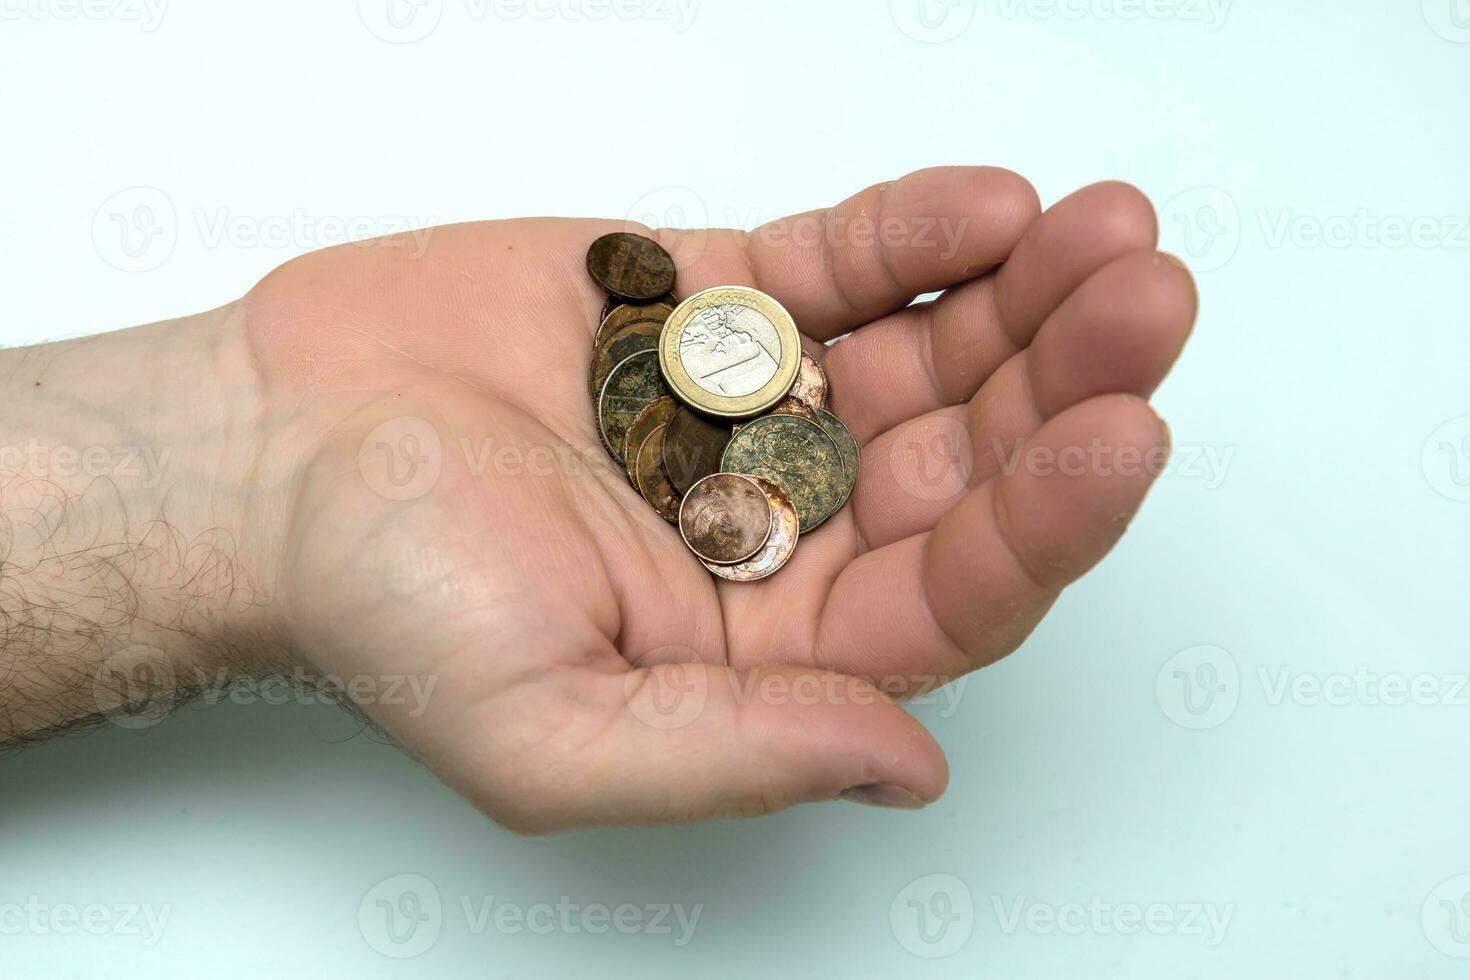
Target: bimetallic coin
x=779, y=546
x=692, y=448
x=846, y=445
x=811, y=383
x=797, y=455
x=618, y=315
x=725, y=518
x=631, y=266
x=632, y=385
x=655, y=414
x=730, y=351
x=646, y=465
x=618, y=347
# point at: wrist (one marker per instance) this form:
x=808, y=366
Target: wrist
x=136, y=505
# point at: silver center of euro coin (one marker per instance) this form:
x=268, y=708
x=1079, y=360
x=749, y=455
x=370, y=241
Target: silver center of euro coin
x=730, y=350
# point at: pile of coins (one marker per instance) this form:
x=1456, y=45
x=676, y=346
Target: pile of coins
x=715, y=411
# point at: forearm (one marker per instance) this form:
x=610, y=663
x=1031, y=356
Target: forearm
x=132, y=551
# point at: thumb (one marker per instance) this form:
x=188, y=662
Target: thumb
x=690, y=741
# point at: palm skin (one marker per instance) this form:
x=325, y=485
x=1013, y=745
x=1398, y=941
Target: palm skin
x=588, y=669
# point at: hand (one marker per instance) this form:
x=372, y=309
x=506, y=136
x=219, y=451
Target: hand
x=435, y=501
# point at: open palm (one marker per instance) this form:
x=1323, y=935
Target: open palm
x=453, y=514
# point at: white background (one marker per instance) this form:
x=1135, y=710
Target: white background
x=1139, y=757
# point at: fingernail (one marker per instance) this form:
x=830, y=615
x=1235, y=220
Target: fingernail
x=883, y=794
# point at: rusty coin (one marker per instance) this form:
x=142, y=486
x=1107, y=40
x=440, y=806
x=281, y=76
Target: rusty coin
x=632, y=266
x=654, y=415
x=725, y=518
x=617, y=347
x=619, y=315
x=647, y=467
x=846, y=445
x=692, y=448
x=811, y=383
x=796, y=454
x=631, y=385
x=779, y=546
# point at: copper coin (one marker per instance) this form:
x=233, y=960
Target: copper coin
x=647, y=467
x=846, y=445
x=620, y=345
x=811, y=383
x=795, y=453
x=631, y=386
x=631, y=266
x=618, y=315
x=725, y=518
x=692, y=448
x=794, y=406
x=779, y=547
x=654, y=415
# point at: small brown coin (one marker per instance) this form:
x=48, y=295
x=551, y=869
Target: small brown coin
x=795, y=453
x=631, y=386
x=811, y=384
x=618, y=315
x=692, y=448
x=725, y=518
x=779, y=547
x=654, y=415
x=794, y=406
x=846, y=445
x=650, y=479
x=631, y=266
x=617, y=347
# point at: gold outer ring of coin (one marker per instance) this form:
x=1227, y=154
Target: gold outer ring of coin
x=780, y=544
x=731, y=493
x=744, y=406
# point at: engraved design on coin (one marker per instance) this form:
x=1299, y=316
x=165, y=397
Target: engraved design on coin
x=730, y=350
x=632, y=266
x=779, y=546
x=795, y=453
x=631, y=386
x=725, y=518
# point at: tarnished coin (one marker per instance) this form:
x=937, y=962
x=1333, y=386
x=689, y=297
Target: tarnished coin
x=632, y=385
x=725, y=518
x=846, y=445
x=730, y=351
x=796, y=454
x=811, y=383
x=619, y=315
x=692, y=448
x=631, y=266
x=779, y=546
x=791, y=405
x=654, y=415
x=618, y=347
x=649, y=478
